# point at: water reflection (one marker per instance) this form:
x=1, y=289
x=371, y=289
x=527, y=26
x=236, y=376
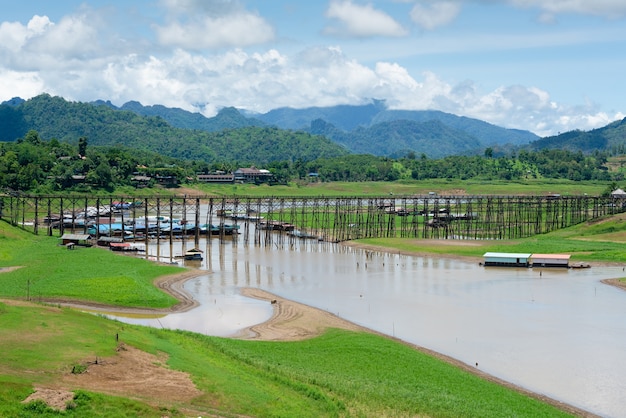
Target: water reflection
x=560, y=332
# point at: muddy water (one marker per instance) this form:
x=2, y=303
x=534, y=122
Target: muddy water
x=557, y=332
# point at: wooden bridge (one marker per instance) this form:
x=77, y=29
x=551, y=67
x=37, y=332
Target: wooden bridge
x=257, y=220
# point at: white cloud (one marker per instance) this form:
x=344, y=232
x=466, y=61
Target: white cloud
x=314, y=77
x=195, y=24
x=42, y=44
x=361, y=21
x=20, y=84
x=430, y=15
x=73, y=37
x=606, y=8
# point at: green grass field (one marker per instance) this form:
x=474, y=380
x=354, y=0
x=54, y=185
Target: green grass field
x=407, y=188
x=48, y=270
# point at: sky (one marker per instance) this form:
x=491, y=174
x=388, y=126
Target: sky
x=547, y=66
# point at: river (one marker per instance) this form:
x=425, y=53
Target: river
x=559, y=332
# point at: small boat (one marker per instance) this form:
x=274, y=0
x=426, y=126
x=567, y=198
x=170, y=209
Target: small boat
x=302, y=234
x=193, y=254
x=580, y=266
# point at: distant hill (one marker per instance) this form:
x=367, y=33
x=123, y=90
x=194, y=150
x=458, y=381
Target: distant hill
x=344, y=117
x=102, y=124
x=610, y=138
x=374, y=129
x=486, y=133
x=227, y=118
x=397, y=138
x=365, y=129
x=370, y=128
x=12, y=123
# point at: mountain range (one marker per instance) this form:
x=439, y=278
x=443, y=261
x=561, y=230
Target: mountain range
x=232, y=134
x=362, y=129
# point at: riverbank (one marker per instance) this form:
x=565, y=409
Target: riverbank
x=296, y=321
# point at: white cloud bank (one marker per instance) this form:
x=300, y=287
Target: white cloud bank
x=201, y=24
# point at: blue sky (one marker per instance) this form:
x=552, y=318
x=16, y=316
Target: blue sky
x=547, y=66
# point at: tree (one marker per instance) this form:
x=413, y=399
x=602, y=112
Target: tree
x=82, y=146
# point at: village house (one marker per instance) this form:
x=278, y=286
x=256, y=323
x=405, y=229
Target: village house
x=252, y=175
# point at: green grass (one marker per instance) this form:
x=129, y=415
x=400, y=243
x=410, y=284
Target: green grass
x=48, y=270
x=407, y=188
x=340, y=373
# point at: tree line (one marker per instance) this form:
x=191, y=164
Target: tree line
x=33, y=164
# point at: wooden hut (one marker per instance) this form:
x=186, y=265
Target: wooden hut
x=70, y=240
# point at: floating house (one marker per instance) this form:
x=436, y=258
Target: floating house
x=105, y=241
x=127, y=246
x=507, y=259
x=193, y=254
x=550, y=260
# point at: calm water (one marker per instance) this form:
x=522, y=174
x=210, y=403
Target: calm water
x=561, y=333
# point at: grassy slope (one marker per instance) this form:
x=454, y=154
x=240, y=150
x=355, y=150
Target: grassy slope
x=338, y=374
x=51, y=271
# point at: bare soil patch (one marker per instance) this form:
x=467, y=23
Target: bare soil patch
x=130, y=373
x=134, y=373
x=54, y=398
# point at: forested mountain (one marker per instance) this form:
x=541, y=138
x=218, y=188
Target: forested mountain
x=344, y=117
x=356, y=120
x=54, y=117
x=486, y=133
x=234, y=135
x=398, y=138
x=610, y=138
x=227, y=118
x=369, y=128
